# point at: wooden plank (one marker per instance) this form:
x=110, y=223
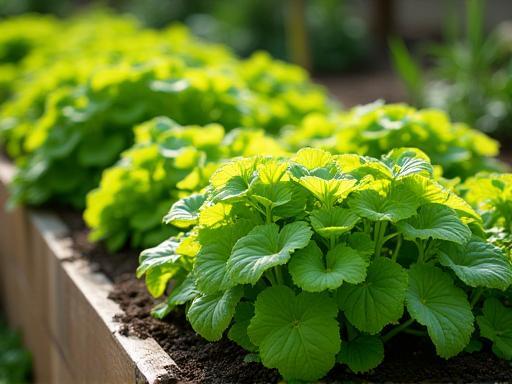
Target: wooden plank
x=62, y=306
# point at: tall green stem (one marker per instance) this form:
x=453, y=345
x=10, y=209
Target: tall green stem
x=477, y=294
x=279, y=275
x=380, y=230
x=332, y=242
x=397, y=248
x=268, y=215
x=395, y=331
x=421, y=250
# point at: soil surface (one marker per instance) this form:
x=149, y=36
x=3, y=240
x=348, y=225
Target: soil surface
x=408, y=359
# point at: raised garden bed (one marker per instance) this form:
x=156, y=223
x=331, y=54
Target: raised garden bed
x=81, y=327
x=61, y=305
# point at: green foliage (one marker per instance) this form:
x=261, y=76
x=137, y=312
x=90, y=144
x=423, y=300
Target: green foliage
x=15, y=361
x=168, y=161
x=376, y=129
x=496, y=325
x=72, y=111
x=469, y=75
x=300, y=259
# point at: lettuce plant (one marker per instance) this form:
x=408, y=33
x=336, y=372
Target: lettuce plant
x=168, y=161
x=67, y=122
x=317, y=259
x=375, y=129
x=84, y=128
x=86, y=46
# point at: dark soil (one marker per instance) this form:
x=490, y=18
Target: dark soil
x=408, y=359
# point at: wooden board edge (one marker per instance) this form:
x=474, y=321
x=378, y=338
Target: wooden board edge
x=152, y=364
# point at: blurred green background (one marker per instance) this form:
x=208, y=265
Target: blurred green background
x=337, y=39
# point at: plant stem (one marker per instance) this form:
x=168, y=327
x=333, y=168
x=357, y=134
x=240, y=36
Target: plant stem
x=332, y=242
x=389, y=237
x=421, y=250
x=268, y=215
x=395, y=331
x=476, y=296
x=270, y=277
x=366, y=225
x=376, y=231
x=279, y=275
x=415, y=332
x=397, y=248
x=380, y=229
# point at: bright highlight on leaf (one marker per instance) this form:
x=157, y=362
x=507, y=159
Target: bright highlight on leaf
x=185, y=212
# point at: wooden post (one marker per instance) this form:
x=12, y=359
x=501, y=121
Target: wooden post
x=296, y=32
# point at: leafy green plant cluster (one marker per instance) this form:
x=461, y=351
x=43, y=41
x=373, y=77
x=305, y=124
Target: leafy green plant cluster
x=377, y=128
x=15, y=361
x=94, y=43
x=491, y=196
x=470, y=75
x=167, y=162
x=315, y=259
x=70, y=120
x=18, y=37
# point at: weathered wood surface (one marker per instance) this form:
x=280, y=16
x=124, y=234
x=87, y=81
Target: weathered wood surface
x=62, y=308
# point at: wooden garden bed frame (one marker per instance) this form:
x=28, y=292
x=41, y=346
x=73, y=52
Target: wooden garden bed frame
x=62, y=308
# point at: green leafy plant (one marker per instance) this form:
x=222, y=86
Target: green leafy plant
x=317, y=259
x=491, y=195
x=470, y=75
x=67, y=122
x=376, y=128
x=168, y=161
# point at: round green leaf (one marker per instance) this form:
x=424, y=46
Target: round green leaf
x=185, y=212
x=363, y=353
x=312, y=273
x=333, y=221
x=265, y=247
x=238, y=331
x=328, y=191
x=211, y=263
x=495, y=324
x=436, y=221
x=396, y=204
x=272, y=195
x=211, y=314
x=478, y=264
x=312, y=158
x=362, y=243
x=298, y=335
x=159, y=264
x=435, y=302
x=379, y=300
